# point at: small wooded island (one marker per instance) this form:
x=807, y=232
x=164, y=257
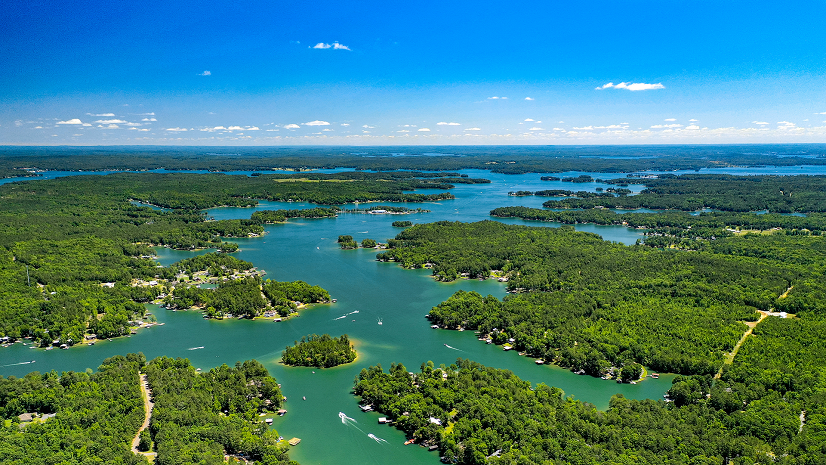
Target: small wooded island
x=319, y=351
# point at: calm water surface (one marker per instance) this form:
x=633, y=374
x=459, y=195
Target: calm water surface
x=368, y=292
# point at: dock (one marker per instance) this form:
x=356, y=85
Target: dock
x=294, y=441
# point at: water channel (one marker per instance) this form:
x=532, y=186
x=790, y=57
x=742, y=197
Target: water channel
x=367, y=292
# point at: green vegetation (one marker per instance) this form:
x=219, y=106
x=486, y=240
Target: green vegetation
x=691, y=192
x=511, y=160
x=592, y=305
x=61, y=238
x=345, y=241
x=369, y=244
x=478, y=415
x=81, y=417
x=319, y=351
x=280, y=216
x=245, y=297
x=284, y=295
x=402, y=224
x=199, y=417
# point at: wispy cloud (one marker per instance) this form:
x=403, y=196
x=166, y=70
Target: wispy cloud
x=497, y=98
x=424, y=129
x=473, y=129
x=317, y=123
x=367, y=126
x=528, y=98
x=110, y=121
x=633, y=86
x=443, y=123
x=292, y=126
x=345, y=124
x=692, y=120
x=149, y=119
x=334, y=46
x=205, y=73
x=71, y=121
x=666, y=126
x=759, y=122
x=528, y=119
x=536, y=129
x=100, y=114
x=671, y=119
x=176, y=129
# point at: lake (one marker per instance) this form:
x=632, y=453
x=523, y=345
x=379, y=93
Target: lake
x=367, y=292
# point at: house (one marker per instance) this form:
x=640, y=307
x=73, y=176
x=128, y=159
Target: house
x=436, y=421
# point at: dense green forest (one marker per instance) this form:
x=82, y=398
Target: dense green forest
x=511, y=160
x=245, y=297
x=479, y=415
x=692, y=192
x=61, y=238
x=319, y=351
x=83, y=417
x=595, y=306
x=199, y=417
x=679, y=229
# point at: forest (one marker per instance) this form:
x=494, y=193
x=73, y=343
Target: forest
x=200, y=417
x=480, y=415
x=319, y=351
x=509, y=159
x=245, y=297
x=693, y=192
x=60, y=239
x=595, y=306
x=80, y=417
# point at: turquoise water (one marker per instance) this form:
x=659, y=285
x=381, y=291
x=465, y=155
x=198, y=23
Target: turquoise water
x=367, y=292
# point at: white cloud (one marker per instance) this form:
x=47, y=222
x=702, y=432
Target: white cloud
x=87, y=124
x=176, y=129
x=71, y=121
x=367, y=126
x=633, y=86
x=671, y=119
x=692, y=120
x=235, y=128
x=669, y=126
x=473, y=129
x=317, y=123
x=403, y=130
x=821, y=113
x=205, y=73
x=100, y=114
x=149, y=119
x=137, y=129
x=536, y=129
x=528, y=98
x=110, y=121
x=139, y=114
x=497, y=98
x=292, y=126
x=786, y=124
x=345, y=124
x=334, y=46
x=759, y=122
x=253, y=128
x=38, y=127
x=111, y=126
x=327, y=130
x=528, y=119
x=424, y=129
x=692, y=127
x=585, y=128
x=442, y=123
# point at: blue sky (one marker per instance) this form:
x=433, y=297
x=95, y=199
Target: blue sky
x=378, y=73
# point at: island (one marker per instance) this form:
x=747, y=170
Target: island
x=319, y=351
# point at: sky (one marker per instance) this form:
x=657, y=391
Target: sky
x=320, y=72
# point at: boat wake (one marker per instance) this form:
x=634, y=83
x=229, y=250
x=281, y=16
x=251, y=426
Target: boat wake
x=376, y=438
x=19, y=363
x=345, y=420
x=449, y=347
x=195, y=348
x=342, y=316
x=354, y=311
